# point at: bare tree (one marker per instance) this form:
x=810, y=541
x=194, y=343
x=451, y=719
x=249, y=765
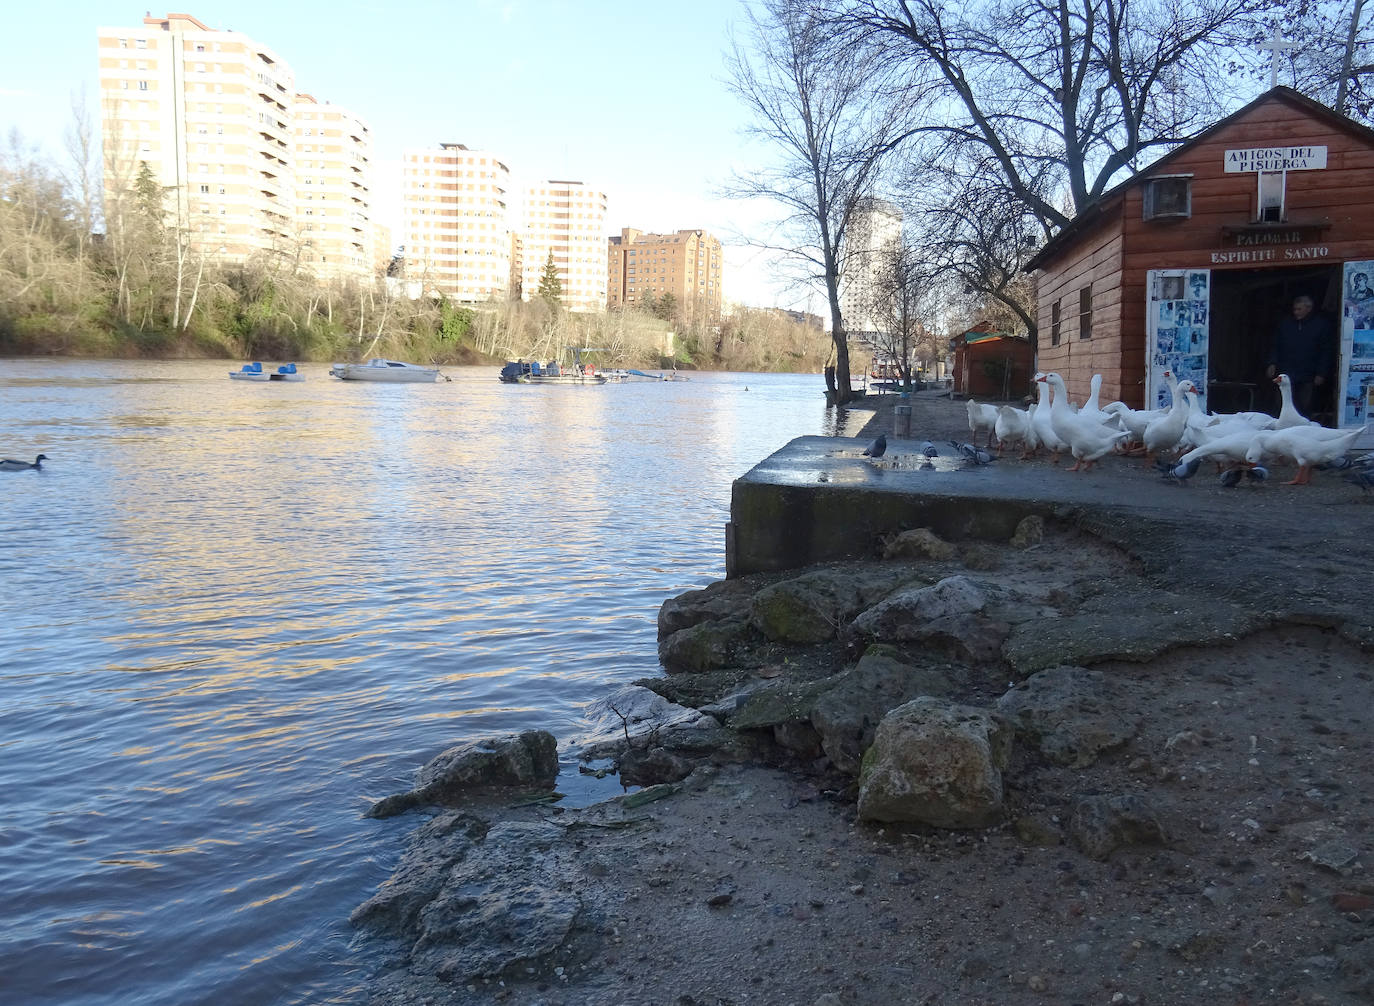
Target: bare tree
x=1332, y=55
x=1060, y=97
x=906, y=304
x=976, y=233
x=824, y=111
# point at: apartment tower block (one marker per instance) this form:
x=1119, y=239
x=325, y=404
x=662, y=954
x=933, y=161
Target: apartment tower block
x=455, y=222
x=685, y=264
x=874, y=232
x=215, y=118
x=567, y=219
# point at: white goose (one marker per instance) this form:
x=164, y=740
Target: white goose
x=1134, y=421
x=981, y=417
x=1289, y=415
x=1044, y=428
x=1165, y=432
x=1087, y=438
x=1306, y=446
x=1232, y=447
x=1014, y=426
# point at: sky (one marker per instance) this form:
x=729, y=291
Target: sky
x=628, y=97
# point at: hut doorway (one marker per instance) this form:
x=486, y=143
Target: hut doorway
x=1246, y=308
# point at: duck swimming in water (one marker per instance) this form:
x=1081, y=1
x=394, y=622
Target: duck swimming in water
x=11, y=465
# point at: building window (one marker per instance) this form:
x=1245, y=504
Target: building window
x=1054, y=323
x=1085, y=313
x=1271, y=193
x=1169, y=197
x=143, y=85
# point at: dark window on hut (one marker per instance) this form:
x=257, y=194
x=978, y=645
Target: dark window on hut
x=1054, y=323
x=1271, y=193
x=1085, y=313
x=1169, y=197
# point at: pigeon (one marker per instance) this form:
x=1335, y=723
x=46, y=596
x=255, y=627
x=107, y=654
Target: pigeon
x=928, y=449
x=1179, y=473
x=971, y=453
x=878, y=448
x=1257, y=474
x=11, y=465
x=1230, y=478
x=1362, y=478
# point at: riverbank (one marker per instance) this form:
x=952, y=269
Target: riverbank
x=1183, y=812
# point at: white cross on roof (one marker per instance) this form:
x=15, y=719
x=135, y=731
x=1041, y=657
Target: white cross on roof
x=1276, y=45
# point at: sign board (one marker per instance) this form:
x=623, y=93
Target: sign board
x=1276, y=159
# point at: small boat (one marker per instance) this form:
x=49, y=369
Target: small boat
x=533, y=372
x=254, y=372
x=250, y=372
x=385, y=371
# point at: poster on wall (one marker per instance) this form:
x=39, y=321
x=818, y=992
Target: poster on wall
x=1357, y=346
x=1176, y=328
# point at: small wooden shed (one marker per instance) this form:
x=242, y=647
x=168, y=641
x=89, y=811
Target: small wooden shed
x=992, y=365
x=1191, y=265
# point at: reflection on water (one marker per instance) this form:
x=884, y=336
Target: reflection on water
x=235, y=614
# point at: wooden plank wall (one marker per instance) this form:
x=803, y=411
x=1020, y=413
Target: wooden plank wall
x=1094, y=261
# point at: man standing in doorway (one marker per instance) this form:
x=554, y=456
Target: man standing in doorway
x=1303, y=349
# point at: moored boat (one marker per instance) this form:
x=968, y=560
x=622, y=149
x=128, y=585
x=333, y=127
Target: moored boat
x=286, y=372
x=534, y=372
x=385, y=371
x=249, y=372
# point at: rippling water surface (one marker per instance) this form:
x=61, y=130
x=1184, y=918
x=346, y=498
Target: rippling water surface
x=234, y=614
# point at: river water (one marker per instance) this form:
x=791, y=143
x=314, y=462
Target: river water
x=235, y=614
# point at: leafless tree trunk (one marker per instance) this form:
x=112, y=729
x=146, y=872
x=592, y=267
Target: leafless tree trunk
x=825, y=111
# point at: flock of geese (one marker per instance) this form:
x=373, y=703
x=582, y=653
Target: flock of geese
x=1240, y=443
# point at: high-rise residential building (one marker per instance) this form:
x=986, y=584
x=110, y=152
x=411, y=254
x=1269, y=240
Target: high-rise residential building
x=686, y=264
x=569, y=220
x=333, y=189
x=212, y=115
x=874, y=232
x=455, y=224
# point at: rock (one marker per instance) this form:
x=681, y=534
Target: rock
x=1121, y=622
x=811, y=608
x=522, y=761
x=706, y=646
x=935, y=762
x=1069, y=713
x=799, y=738
x=421, y=874
x=780, y=701
x=849, y=712
x=654, y=765
x=946, y=617
x=795, y=611
x=720, y=600
x=954, y=595
x=1031, y=531
x=922, y=543
x=1102, y=824
x=507, y=905
x=634, y=710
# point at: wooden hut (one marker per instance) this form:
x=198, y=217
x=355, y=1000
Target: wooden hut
x=992, y=365
x=1190, y=265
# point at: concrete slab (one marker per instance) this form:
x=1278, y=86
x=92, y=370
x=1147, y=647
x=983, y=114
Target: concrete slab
x=1302, y=551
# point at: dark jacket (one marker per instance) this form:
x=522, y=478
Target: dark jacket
x=1304, y=349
